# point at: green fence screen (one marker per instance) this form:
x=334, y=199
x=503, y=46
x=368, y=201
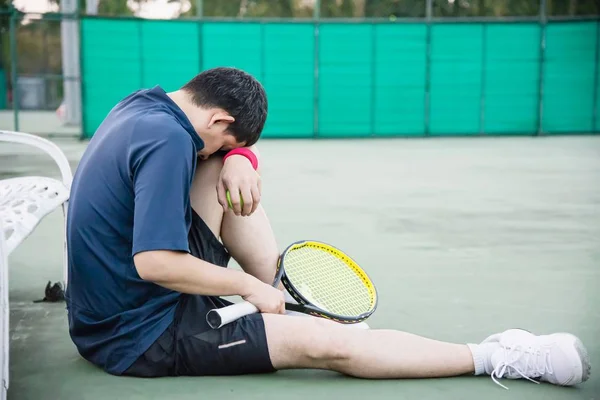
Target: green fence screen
x=456, y=79
x=511, y=78
x=569, y=70
x=328, y=79
x=289, y=79
x=597, y=73
x=111, y=67
x=400, y=79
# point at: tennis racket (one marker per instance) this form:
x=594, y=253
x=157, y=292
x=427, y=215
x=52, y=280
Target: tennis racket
x=322, y=279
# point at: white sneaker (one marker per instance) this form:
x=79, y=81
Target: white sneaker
x=560, y=358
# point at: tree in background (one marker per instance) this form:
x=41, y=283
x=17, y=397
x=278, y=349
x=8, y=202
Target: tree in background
x=501, y=8
x=352, y=8
x=111, y=7
x=250, y=8
x=39, y=40
x=573, y=7
x=230, y=8
x=395, y=8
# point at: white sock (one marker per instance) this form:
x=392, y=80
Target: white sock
x=482, y=357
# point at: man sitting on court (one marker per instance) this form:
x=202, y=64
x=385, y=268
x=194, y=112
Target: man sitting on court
x=150, y=235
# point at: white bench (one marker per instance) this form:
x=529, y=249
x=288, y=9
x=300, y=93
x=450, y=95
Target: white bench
x=24, y=202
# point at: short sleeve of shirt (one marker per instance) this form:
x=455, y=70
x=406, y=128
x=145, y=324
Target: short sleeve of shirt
x=162, y=162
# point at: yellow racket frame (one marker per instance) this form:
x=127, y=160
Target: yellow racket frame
x=313, y=310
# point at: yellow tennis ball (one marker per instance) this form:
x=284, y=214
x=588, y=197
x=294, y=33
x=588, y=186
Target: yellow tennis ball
x=229, y=200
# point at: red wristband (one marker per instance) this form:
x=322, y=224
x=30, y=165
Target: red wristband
x=246, y=152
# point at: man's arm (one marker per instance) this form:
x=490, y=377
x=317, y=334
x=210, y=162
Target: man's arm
x=254, y=149
x=185, y=273
x=161, y=161
x=239, y=177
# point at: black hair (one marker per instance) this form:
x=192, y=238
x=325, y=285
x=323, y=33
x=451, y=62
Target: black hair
x=236, y=92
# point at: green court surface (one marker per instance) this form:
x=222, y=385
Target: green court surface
x=463, y=237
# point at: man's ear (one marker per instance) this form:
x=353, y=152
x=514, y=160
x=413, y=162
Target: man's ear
x=220, y=117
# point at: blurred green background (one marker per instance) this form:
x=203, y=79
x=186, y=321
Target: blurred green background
x=331, y=68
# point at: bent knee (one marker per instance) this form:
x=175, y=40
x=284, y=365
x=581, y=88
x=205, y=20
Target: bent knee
x=326, y=343
x=306, y=342
x=211, y=166
x=203, y=193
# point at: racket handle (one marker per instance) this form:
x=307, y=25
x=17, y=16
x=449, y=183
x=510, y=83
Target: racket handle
x=218, y=317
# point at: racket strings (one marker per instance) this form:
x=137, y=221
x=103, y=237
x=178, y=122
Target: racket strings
x=328, y=282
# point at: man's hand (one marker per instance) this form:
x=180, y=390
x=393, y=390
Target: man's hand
x=266, y=298
x=239, y=178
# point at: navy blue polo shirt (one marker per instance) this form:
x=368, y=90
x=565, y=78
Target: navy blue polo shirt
x=130, y=194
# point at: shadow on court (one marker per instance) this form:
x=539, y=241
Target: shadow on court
x=463, y=238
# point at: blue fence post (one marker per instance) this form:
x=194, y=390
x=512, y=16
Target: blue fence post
x=316, y=17
x=542, y=21
x=596, y=72
x=373, y=78
x=428, y=16
x=199, y=8
x=483, y=86
x=14, y=64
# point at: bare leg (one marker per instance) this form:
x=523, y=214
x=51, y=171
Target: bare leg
x=313, y=342
x=203, y=194
x=322, y=344
x=249, y=240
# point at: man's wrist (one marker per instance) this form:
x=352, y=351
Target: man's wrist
x=247, y=284
x=245, y=152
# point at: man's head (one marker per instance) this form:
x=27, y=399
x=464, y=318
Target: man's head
x=226, y=106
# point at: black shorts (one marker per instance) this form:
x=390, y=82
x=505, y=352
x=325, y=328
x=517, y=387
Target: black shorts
x=189, y=346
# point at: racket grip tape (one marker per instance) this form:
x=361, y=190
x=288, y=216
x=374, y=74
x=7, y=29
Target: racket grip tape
x=219, y=317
